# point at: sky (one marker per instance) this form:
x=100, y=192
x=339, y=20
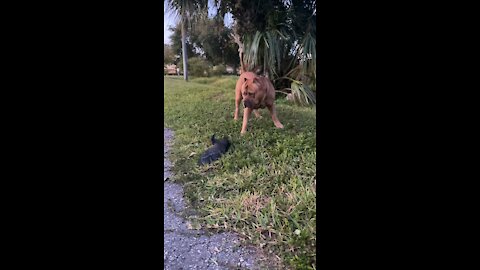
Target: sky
x=169, y=20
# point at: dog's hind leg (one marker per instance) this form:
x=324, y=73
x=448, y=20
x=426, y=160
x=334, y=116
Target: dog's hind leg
x=273, y=113
x=257, y=114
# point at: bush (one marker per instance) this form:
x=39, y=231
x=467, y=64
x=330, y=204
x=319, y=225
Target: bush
x=197, y=66
x=218, y=70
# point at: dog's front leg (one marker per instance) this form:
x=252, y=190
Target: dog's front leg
x=246, y=115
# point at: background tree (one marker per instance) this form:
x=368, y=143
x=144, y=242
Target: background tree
x=168, y=55
x=176, y=39
x=210, y=39
x=213, y=38
x=188, y=11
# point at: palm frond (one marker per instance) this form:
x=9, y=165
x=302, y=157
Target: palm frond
x=309, y=55
x=187, y=11
x=302, y=94
x=252, y=50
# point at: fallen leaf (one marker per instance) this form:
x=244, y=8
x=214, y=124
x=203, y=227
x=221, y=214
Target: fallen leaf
x=195, y=226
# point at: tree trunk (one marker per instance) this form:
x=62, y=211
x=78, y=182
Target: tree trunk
x=236, y=38
x=184, y=50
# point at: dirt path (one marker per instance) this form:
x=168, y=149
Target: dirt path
x=194, y=249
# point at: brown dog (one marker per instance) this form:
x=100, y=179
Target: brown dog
x=257, y=93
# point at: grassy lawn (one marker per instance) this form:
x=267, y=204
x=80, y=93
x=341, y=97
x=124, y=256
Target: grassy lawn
x=264, y=187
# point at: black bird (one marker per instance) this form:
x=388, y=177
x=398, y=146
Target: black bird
x=217, y=149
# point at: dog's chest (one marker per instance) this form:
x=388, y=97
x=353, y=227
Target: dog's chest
x=261, y=105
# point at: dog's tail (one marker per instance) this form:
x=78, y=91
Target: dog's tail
x=213, y=139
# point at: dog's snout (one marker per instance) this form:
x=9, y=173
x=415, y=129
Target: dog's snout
x=247, y=104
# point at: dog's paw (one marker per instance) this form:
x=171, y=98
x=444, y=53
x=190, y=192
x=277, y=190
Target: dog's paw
x=279, y=125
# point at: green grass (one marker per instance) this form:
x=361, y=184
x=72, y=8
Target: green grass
x=264, y=188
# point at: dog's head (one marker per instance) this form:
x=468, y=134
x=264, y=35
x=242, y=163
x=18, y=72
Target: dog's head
x=252, y=92
x=226, y=143
x=223, y=142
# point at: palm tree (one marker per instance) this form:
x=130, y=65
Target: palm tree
x=188, y=11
